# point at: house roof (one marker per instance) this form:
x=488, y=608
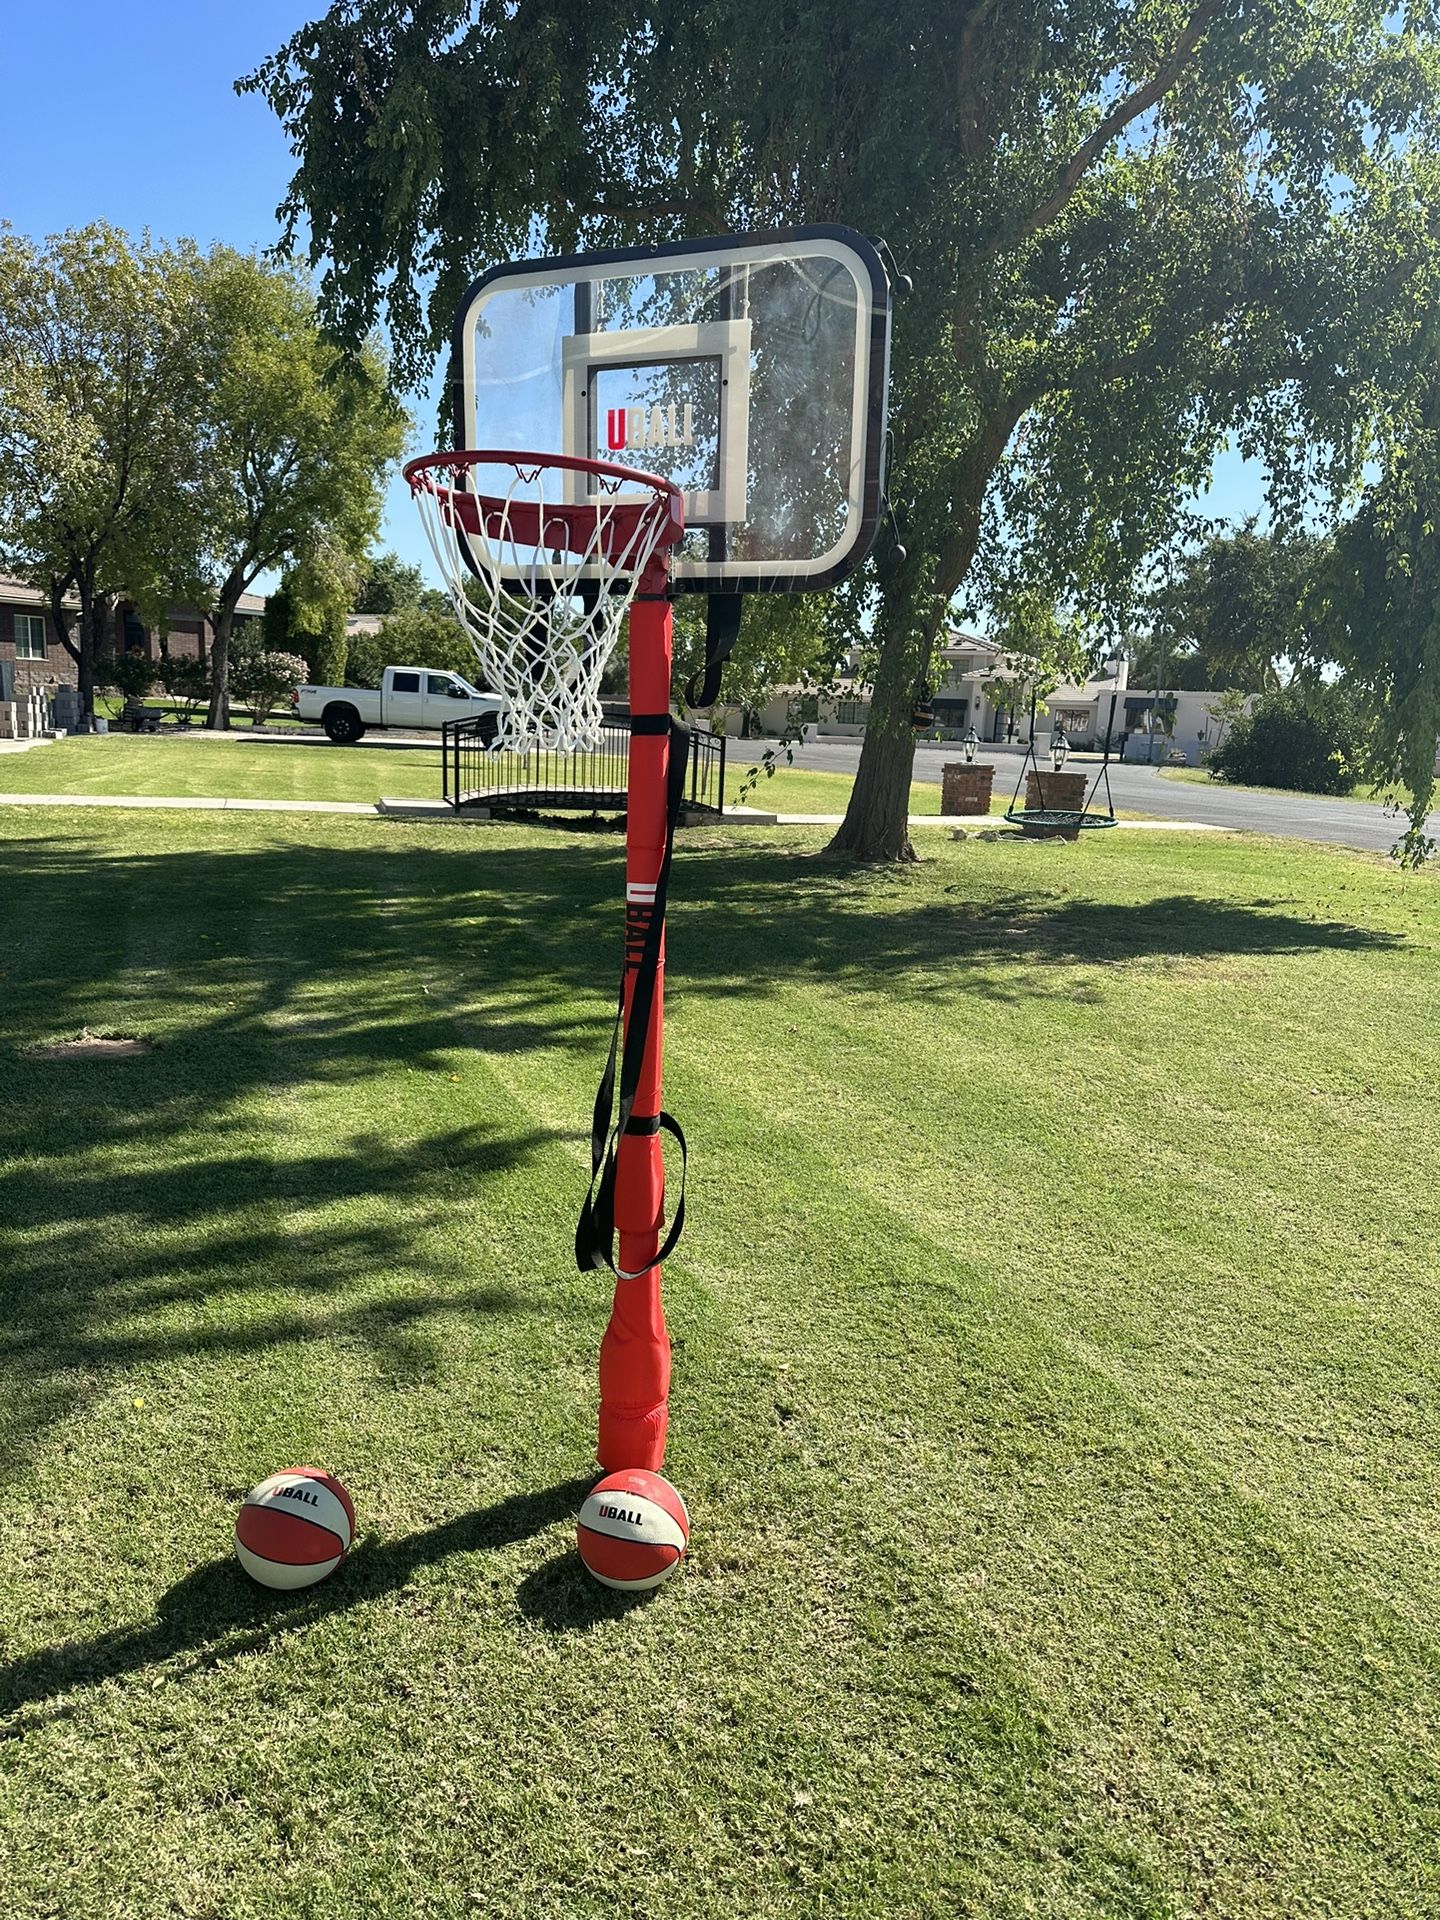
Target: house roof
x=981, y=652
x=15, y=592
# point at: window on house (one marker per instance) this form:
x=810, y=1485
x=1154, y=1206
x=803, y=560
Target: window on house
x=850, y=713
x=806, y=710
x=29, y=636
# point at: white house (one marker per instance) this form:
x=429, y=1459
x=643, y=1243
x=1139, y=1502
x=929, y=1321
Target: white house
x=966, y=665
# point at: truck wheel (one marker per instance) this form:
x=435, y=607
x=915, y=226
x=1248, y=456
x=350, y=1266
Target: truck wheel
x=488, y=729
x=342, y=723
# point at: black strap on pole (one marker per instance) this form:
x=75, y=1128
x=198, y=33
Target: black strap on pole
x=722, y=629
x=595, y=1231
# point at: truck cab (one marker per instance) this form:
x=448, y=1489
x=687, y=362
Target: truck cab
x=422, y=698
x=417, y=699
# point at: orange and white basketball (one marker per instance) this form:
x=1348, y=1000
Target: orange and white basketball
x=633, y=1530
x=294, y=1528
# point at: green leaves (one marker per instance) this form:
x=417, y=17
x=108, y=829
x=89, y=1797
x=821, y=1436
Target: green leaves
x=297, y=435
x=1375, y=610
x=174, y=423
x=99, y=368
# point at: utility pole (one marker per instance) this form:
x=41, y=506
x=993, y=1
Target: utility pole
x=1160, y=657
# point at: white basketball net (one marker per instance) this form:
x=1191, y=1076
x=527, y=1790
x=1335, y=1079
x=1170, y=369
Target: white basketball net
x=542, y=644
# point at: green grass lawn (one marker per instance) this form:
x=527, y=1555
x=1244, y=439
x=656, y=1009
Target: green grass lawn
x=1198, y=777
x=220, y=770
x=1056, y=1382
x=185, y=769
x=794, y=790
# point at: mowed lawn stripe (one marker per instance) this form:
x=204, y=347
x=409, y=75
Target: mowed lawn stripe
x=1163, y=1445
x=195, y=767
x=988, y=1610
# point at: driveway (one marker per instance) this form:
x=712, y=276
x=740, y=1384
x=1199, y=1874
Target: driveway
x=1348, y=823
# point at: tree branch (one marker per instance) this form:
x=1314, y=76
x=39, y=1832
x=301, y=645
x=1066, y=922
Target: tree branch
x=971, y=139
x=1119, y=117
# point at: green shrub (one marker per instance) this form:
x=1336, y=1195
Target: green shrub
x=187, y=681
x=425, y=636
x=1309, y=740
x=130, y=675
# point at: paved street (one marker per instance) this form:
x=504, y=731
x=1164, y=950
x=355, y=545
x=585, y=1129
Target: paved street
x=1350, y=823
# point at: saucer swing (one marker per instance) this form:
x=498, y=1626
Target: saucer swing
x=1061, y=823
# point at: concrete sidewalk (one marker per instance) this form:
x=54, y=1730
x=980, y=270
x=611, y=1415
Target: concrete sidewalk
x=441, y=810
x=153, y=800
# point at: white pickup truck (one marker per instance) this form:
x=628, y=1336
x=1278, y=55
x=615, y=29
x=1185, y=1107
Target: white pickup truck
x=416, y=698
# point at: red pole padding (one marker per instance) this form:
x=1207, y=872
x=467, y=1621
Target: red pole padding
x=635, y=1353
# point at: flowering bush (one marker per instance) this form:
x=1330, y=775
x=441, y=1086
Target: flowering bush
x=260, y=680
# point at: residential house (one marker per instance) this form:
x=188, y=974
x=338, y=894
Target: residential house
x=33, y=656
x=968, y=678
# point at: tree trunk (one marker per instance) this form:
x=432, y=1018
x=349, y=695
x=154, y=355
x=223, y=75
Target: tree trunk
x=914, y=597
x=875, y=826
x=87, y=635
x=60, y=619
x=85, y=685
x=218, y=712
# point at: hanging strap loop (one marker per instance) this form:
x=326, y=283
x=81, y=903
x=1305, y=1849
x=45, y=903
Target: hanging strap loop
x=595, y=1231
x=722, y=629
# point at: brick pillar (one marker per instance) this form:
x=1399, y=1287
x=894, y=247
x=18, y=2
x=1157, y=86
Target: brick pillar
x=1065, y=791
x=965, y=789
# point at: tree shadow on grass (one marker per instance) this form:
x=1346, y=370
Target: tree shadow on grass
x=528, y=937
x=217, y=1612
x=106, y=1273
x=284, y=965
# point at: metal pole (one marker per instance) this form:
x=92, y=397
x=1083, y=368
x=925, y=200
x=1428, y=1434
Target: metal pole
x=1160, y=658
x=635, y=1353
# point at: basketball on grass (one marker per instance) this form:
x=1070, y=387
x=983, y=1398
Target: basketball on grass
x=633, y=1530
x=294, y=1528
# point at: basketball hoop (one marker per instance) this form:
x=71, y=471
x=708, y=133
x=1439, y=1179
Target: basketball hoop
x=769, y=438
x=543, y=586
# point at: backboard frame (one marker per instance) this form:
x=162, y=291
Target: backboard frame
x=719, y=341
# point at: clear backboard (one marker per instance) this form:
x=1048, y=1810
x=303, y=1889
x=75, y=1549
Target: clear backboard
x=751, y=371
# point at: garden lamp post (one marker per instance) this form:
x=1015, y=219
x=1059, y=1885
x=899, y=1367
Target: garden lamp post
x=1059, y=749
x=970, y=744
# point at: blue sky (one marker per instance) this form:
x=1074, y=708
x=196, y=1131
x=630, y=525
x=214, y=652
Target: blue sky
x=127, y=111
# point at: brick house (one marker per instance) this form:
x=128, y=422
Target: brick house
x=31, y=653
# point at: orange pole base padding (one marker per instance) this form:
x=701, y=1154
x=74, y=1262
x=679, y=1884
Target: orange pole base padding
x=635, y=1353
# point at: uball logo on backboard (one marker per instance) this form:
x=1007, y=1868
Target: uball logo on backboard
x=632, y=427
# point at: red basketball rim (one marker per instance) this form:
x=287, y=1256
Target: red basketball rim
x=575, y=519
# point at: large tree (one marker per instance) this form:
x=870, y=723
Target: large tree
x=100, y=349
x=1231, y=614
x=298, y=438
x=1374, y=610
x=1133, y=229
x=388, y=583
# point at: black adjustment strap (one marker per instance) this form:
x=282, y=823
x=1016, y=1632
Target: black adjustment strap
x=722, y=630
x=650, y=723
x=595, y=1230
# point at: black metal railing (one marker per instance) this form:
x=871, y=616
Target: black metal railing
x=476, y=775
